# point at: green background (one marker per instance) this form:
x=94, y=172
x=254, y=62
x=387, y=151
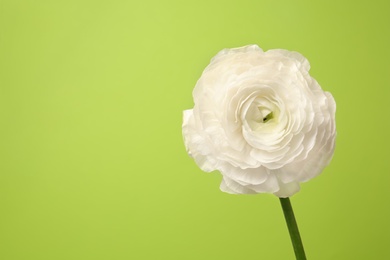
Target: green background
x=92, y=163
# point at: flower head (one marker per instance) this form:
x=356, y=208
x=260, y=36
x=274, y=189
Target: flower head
x=261, y=120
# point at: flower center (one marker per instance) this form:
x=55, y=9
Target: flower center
x=261, y=113
x=268, y=117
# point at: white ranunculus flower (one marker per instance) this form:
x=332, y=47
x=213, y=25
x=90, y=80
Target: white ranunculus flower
x=261, y=120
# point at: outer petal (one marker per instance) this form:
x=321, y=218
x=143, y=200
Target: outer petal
x=287, y=189
x=195, y=144
x=232, y=187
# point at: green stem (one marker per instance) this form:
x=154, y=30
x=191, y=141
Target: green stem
x=293, y=228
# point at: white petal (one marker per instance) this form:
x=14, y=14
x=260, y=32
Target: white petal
x=287, y=189
x=232, y=187
x=246, y=176
x=271, y=185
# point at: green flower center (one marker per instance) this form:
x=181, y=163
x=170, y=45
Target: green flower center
x=268, y=117
x=262, y=114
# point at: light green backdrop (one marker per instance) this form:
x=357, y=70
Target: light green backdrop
x=92, y=164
